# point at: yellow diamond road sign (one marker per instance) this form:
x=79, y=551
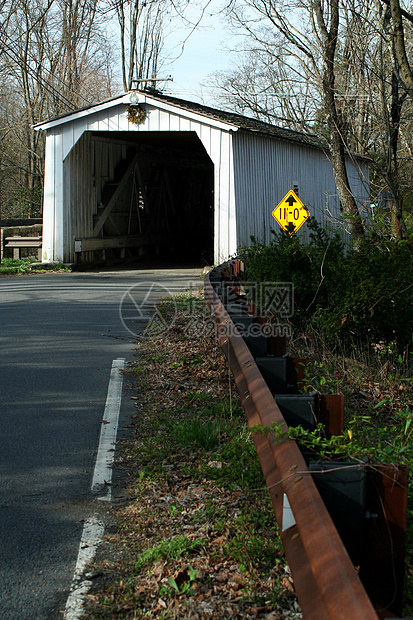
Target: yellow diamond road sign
x=290, y=213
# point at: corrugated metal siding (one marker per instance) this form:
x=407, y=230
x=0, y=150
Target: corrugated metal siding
x=266, y=169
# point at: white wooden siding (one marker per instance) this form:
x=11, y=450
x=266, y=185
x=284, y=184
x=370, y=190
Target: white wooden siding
x=75, y=160
x=53, y=232
x=49, y=201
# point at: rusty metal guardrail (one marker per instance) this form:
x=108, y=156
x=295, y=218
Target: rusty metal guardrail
x=327, y=583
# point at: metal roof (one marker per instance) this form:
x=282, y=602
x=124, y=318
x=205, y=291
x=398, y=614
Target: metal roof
x=237, y=121
x=244, y=122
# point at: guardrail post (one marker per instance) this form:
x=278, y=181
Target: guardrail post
x=326, y=581
x=383, y=568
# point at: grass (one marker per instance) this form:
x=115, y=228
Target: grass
x=174, y=549
x=213, y=430
x=199, y=432
x=198, y=479
x=13, y=266
x=199, y=497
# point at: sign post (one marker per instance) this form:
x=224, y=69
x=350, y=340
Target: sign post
x=290, y=213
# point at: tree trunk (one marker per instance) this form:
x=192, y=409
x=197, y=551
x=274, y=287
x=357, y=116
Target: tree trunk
x=345, y=195
x=398, y=226
x=329, y=39
x=400, y=47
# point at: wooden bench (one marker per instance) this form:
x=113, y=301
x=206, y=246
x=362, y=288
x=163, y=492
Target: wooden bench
x=24, y=242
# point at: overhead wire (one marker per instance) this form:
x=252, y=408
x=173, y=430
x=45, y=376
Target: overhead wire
x=12, y=55
x=44, y=83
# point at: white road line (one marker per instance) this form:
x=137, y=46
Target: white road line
x=102, y=476
x=93, y=531
x=93, y=528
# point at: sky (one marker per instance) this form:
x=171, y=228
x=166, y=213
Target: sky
x=204, y=52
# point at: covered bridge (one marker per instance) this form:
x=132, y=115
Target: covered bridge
x=148, y=172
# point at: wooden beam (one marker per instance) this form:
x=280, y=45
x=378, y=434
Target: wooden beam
x=88, y=244
x=114, y=226
x=108, y=208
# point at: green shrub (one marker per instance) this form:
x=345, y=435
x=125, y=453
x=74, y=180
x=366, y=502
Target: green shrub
x=374, y=301
x=287, y=259
x=363, y=295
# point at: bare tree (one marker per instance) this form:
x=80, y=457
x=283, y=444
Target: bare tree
x=372, y=97
x=392, y=99
x=141, y=35
x=144, y=28
x=266, y=86
x=52, y=53
x=23, y=48
x=309, y=35
x=328, y=30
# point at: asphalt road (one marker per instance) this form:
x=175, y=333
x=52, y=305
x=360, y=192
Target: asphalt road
x=59, y=334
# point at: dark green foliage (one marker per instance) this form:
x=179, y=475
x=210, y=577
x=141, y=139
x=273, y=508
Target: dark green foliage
x=286, y=259
x=374, y=301
x=349, y=295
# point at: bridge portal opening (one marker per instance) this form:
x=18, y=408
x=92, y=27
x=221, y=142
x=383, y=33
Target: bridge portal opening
x=153, y=195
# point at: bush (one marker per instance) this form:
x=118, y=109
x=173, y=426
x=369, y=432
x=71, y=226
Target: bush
x=375, y=299
x=363, y=295
x=287, y=259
